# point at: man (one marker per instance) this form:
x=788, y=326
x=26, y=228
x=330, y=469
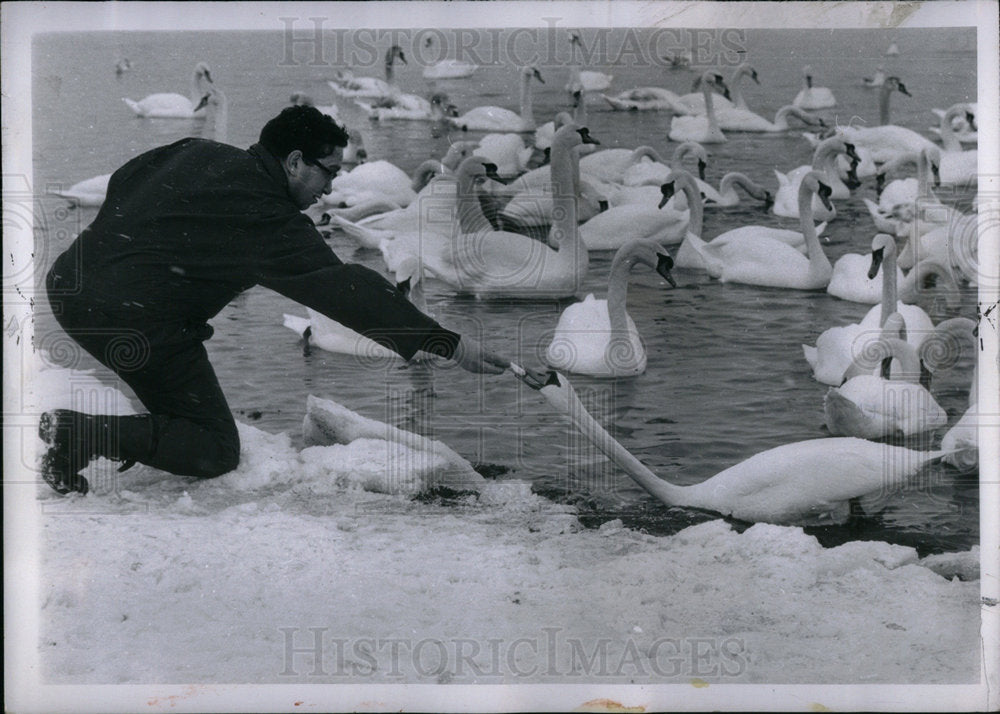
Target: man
x=183, y=230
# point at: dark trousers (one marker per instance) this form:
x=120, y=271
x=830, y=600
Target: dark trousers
x=167, y=367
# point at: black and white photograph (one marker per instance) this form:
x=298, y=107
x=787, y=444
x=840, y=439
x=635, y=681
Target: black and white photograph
x=501, y=356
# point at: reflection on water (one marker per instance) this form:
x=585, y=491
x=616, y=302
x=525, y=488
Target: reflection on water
x=726, y=376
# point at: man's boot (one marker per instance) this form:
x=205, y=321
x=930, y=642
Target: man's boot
x=73, y=439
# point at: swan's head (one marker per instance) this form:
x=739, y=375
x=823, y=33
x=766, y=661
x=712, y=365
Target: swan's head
x=882, y=244
x=746, y=69
x=677, y=178
x=532, y=71
x=213, y=97
x=813, y=182
x=393, y=53
x=574, y=38
x=714, y=80
x=458, y=152
x=932, y=155
x=202, y=71
x=477, y=168
x=894, y=83
x=646, y=253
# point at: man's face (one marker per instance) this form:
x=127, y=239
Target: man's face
x=309, y=179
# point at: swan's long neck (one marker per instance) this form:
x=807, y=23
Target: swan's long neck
x=196, y=92
x=883, y=103
x=390, y=58
x=948, y=138
x=683, y=150
x=565, y=189
x=527, y=112
x=817, y=257
x=618, y=294
x=733, y=179
x=781, y=116
x=736, y=88
x=564, y=398
x=888, y=283
x=222, y=119
x=644, y=152
x=470, y=213
x=908, y=367
x=423, y=174
x=910, y=289
x=713, y=124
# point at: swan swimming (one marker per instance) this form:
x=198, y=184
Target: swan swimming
x=348, y=85
x=498, y=264
x=957, y=165
x=733, y=119
x=803, y=482
x=811, y=97
x=873, y=407
x=786, y=198
x=887, y=140
x=703, y=128
x=89, y=192
x=401, y=106
x=491, y=118
x=695, y=101
x=174, y=106
x=598, y=337
x=584, y=80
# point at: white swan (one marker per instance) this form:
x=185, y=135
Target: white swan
x=216, y=106
x=346, y=84
x=762, y=257
x=399, y=106
x=786, y=198
x=174, y=106
x=872, y=407
x=877, y=79
x=490, y=118
x=853, y=280
x=726, y=195
x=887, y=140
x=703, y=128
x=507, y=151
x=581, y=79
x=610, y=165
x=320, y=331
x=499, y=264
x=379, y=180
x=628, y=222
x=598, y=337
x=837, y=347
x=733, y=119
x=450, y=69
x=765, y=260
x=864, y=167
x=957, y=166
x=647, y=99
x=963, y=127
x=695, y=101
x=811, y=97
x=803, y=482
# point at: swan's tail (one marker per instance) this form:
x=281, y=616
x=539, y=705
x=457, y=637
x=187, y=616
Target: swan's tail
x=296, y=324
x=134, y=106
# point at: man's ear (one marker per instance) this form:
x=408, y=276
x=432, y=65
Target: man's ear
x=293, y=162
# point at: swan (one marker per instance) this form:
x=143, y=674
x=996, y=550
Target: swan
x=580, y=79
x=765, y=260
x=89, y=192
x=757, y=255
x=887, y=140
x=854, y=281
x=963, y=127
x=628, y=222
x=957, y=166
x=836, y=347
x=872, y=407
x=122, y=66
x=954, y=243
x=450, y=69
x=726, y=195
x=798, y=483
x=405, y=106
x=813, y=97
x=733, y=119
x=646, y=99
x=598, y=337
x=892, y=50
x=499, y=264
x=786, y=198
x=610, y=165
x=381, y=180
x=320, y=331
x=703, y=128
x=174, y=106
x=490, y=118
x=914, y=283
x=864, y=167
x=347, y=85
x=217, y=107
x=306, y=100
x=696, y=102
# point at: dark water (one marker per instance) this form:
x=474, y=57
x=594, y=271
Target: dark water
x=726, y=376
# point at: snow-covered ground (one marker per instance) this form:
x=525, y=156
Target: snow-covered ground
x=317, y=566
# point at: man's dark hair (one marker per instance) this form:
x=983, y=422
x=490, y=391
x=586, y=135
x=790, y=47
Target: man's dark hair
x=305, y=128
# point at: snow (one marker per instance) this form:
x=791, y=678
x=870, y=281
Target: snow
x=154, y=578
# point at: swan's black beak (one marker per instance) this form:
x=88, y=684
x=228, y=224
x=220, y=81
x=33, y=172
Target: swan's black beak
x=602, y=205
x=902, y=89
x=667, y=190
x=538, y=75
x=404, y=287
x=877, y=256
x=879, y=184
x=323, y=221
x=202, y=103
x=809, y=81
x=402, y=57
x=663, y=265
x=584, y=133
x=721, y=84
x=851, y=151
x=754, y=77
x=701, y=169
x=491, y=170
x=824, y=196
x=208, y=76
x=970, y=118
x=768, y=201
x=853, y=181
x=936, y=170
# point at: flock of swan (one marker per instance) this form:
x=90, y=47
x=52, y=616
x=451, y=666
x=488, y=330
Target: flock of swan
x=527, y=203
